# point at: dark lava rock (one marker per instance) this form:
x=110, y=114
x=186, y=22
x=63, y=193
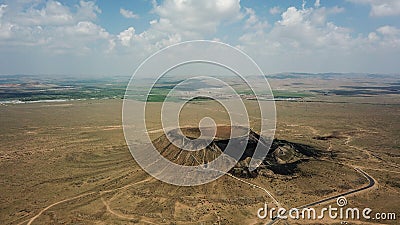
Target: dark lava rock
x=282, y=158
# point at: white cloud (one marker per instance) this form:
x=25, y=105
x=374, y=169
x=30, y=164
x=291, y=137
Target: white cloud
x=317, y=3
x=305, y=29
x=128, y=14
x=275, y=10
x=253, y=22
x=381, y=7
x=81, y=38
x=52, y=25
x=305, y=40
x=2, y=9
x=292, y=16
x=389, y=31
x=5, y=28
x=200, y=18
x=373, y=37
x=255, y=26
x=53, y=13
x=319, y=15
x=146, y=42
x=126, y=36
x=87, y=10
x=390, y=36
x=86, y=29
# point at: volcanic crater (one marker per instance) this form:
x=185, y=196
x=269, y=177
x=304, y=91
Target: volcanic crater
x=282, y=158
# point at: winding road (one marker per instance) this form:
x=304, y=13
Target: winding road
x=371, y=183
x=84, y=195
x=251, y=184
x=274, y=220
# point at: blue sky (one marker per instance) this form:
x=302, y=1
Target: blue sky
x=112, y=37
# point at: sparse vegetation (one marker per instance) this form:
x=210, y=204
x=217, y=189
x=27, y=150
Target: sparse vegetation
x=74, y=154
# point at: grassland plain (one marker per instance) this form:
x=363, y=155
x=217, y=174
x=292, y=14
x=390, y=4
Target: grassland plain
x=67, y=163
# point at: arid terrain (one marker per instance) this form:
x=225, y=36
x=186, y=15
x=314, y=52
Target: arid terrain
x=68, y=163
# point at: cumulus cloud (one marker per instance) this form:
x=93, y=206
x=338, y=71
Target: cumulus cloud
x=87, y=10
x=51, y=13
x=126, y=36
x=300, y=35
x=319, y=15
x=85, y=29
x=304, y=36
x=317, y=3
x=52, y=25
x=2, y=8
x=200, y=17
x=145, y=42
x=275, y=10
x=128, y=14
x=381, y=7
x=373, y=37
x=389, y=31
x=390, y=36
x=292, y=16
x=305, y=29
x=255, y=26
x=253, y=22
x=305, y=39
x=5, y=28
x=201, y=20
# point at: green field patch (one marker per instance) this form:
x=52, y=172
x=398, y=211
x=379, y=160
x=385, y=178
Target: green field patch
x=290, y=94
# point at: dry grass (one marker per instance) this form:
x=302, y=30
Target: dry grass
x=55, y=152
